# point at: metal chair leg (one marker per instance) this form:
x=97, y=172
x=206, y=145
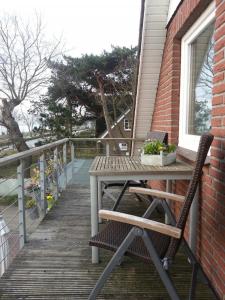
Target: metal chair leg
x=193, y=282
x=116, y=204
x=159, y=267
x=115, y=261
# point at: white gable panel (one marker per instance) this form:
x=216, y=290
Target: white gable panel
x=172, y=8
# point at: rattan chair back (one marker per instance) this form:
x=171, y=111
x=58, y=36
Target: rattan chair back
x=204, y=145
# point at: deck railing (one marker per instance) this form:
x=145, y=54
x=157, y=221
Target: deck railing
x=37, y=178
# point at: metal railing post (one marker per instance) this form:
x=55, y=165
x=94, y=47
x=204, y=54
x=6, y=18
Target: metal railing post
x=56, y=172
x=43, y=183
x=107, y=149
x=72, y=153
x=64, y=165
x=21, y=204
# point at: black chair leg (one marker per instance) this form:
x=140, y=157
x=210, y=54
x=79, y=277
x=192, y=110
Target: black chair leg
x=193, y=281
x=159, y=267
x=115, y=261
x=116, y=204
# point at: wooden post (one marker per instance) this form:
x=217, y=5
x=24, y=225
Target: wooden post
x=21, y=204
x=43, y=183
x=56, y=173
x=64, y=165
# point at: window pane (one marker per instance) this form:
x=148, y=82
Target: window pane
x=200, y=104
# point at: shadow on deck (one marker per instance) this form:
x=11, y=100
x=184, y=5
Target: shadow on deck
x=56, y=262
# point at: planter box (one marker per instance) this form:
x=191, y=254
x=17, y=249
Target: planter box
x=158, y=160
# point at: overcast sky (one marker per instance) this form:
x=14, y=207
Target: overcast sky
x=87, y=26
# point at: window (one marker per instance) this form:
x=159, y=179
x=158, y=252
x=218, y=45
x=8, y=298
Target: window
x=127, y=125
x=123, y=146
x=197, y=52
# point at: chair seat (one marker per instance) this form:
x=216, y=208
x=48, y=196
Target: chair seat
x=114, y=233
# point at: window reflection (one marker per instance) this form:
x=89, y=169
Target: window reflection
x=200, y=104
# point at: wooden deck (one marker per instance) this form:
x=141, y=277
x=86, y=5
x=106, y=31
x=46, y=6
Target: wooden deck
x=56, y=263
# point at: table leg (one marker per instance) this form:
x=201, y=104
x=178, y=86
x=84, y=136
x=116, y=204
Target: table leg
x=169, y=190
x=99, y=199
x=94, y=215
x=194, y=211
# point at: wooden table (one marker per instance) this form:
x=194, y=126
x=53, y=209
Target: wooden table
x=123, y=168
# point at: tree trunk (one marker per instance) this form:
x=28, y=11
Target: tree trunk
x=106, y=115
x=15, y=134
x=13, y=128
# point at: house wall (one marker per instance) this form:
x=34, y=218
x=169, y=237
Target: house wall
x=153, y=39
x=211, y=226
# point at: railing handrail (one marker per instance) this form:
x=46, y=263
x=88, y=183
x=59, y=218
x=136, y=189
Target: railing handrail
x=34, y=151
x=108, y=139
x=37, y=150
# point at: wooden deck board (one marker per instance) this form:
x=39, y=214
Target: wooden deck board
x=56, y=263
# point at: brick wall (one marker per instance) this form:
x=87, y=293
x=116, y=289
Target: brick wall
x=211, y=227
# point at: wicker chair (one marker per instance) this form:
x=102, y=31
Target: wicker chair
x=149, y=240
x=153, y=135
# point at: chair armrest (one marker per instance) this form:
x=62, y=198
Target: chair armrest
x=156, y=193
x=141, y=222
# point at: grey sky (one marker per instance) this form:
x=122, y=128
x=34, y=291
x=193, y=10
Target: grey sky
x=87, y=26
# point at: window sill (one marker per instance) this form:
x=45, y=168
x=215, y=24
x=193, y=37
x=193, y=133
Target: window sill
x=189, y=155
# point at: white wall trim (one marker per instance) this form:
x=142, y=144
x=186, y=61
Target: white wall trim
x=172, y=7
x=186, y=140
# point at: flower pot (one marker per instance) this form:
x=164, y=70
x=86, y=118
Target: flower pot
x=33, y=212
x=162, y=159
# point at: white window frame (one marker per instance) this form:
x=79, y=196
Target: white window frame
x=186, y=140
x=124, y=127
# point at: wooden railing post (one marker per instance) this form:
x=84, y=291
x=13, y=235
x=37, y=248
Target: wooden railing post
x=64, y=165
x=43, y=183
x=21, y=204
x=56, y=172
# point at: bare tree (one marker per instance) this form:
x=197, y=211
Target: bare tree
x=26, y=118
x=24, y=57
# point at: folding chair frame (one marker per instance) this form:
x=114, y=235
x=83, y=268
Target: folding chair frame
x=161, y=266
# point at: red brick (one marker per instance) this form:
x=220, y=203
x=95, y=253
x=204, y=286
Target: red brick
x=217, y=100
x=219, y=56
x=220, y=132
x=219, y=33
x=218, y=111
x=217, y=174
x=216, y=122
x=217, y=78
x=220, y=20
x=218, y=89
x=217, y=153
x=219, y=44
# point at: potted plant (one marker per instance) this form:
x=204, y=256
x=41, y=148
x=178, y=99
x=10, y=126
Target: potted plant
x=32, y=209
x=156, y=153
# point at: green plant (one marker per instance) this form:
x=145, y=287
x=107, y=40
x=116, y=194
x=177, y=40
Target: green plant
x=50, y=200
x=155, y=147
x=30, y=203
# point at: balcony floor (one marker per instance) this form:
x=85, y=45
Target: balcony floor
x=56, y=262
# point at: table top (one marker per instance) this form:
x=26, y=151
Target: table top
x=128, y=165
